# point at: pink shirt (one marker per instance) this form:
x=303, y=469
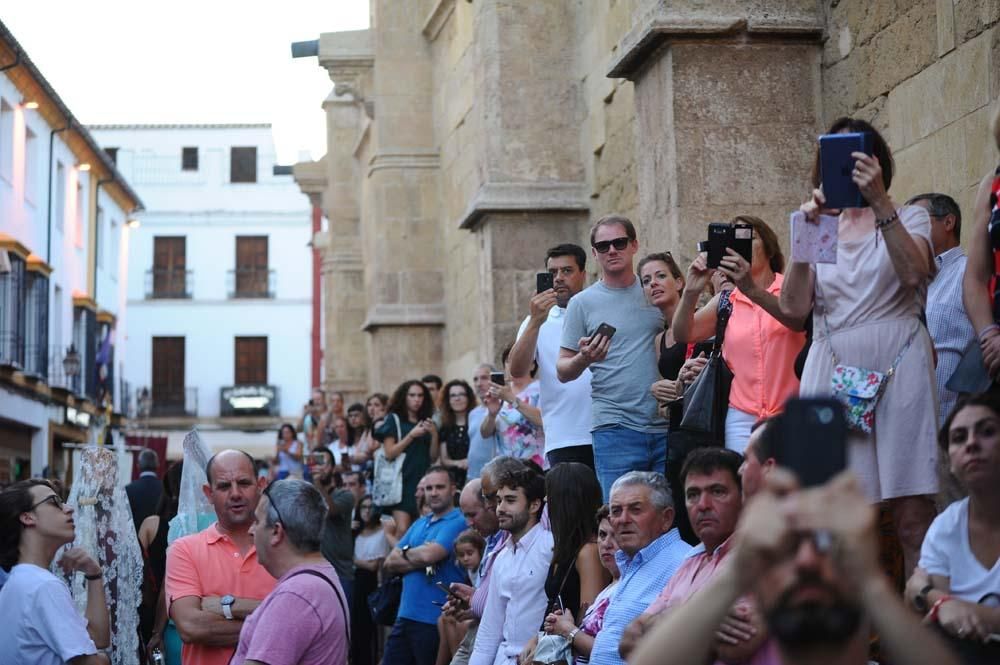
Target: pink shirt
x=301, y=622
x=693, y=575
x=761, y=352
x=209, y=563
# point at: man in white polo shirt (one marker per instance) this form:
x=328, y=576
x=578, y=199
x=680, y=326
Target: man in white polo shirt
x=565, y=406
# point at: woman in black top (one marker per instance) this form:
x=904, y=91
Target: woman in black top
x=457, y=399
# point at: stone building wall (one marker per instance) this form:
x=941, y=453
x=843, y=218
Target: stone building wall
x=467, y=137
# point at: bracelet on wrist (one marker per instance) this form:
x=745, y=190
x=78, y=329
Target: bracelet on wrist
x=91, y=578
x=988, y=329
x=572, y=635
x=936, y=608
x=883, y=224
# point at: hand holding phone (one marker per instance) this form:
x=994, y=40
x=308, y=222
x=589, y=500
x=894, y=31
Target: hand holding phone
x=543, y=282
x=498, y=378
x=810, y=438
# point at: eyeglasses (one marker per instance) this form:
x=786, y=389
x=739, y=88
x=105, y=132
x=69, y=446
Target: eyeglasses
x=52, y=498
x=602, y=246
x=267, y=493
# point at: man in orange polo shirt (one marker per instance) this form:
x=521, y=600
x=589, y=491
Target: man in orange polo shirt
x=213, y=578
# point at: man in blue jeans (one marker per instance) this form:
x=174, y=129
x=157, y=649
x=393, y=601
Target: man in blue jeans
x=628, y=433
x=424, y=557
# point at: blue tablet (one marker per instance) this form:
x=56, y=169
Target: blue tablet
x=836, y=165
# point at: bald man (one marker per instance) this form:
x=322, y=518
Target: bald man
x=213, y=578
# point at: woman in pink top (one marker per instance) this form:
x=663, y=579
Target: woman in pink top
x=761, y=342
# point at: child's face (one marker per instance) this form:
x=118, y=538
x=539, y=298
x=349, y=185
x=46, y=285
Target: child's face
x=467, y=555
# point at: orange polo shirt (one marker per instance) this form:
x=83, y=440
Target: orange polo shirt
x=210, y=564
x=761, y=352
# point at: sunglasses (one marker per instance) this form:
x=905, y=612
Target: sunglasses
x=603, y=246
x=52, y=498
x=267, y=493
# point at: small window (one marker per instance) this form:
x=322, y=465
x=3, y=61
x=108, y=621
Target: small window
x=189, y=159
x=60, y=201
x=243, y=164
x=30, y=165
x=113, y=154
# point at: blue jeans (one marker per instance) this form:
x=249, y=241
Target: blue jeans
x=411, y=643
x=618, y=450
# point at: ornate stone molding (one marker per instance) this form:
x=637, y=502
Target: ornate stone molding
x=311, y=178
x=524, y=197
x=664, y=24
x=382, y=315
x=437, y=18
x=348, y=58
x=403, y=159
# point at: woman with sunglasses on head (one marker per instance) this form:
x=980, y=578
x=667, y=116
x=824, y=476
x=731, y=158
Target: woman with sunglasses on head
x=761, y=342
x=39, y=623
x=457, y=400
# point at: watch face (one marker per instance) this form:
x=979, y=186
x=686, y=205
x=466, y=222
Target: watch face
x=227, y=600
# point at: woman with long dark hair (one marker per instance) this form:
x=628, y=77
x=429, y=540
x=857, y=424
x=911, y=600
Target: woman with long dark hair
x=408, y=428
x=457, y=400
x=370, y=549
x=153, y=539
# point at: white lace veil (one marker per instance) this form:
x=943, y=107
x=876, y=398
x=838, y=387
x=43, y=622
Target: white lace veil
x=105, y=529
x=194, y=512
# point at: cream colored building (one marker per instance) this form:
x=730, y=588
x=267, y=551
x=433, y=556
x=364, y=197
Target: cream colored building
x=467, y=136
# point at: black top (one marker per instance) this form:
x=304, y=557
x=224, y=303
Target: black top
x=456, y=440
x=670, y=363
x=158, y=552
x=570, y=595
x=143, y=496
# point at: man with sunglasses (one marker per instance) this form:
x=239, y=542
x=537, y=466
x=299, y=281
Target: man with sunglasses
x=628, y=433
x=214, y=579
x=39, y=623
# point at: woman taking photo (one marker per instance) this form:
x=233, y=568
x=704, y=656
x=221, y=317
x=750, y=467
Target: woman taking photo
x=457, y=400
x=980, y=286
x=408, y=428
x=375, y=407
x=760, y=343
x=289, y=453
x=867, y=315
x=370, y=549
x=512, y=414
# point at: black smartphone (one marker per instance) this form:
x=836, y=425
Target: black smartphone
x=498, y=378
x=810, y=438
x=449, y=592
x=837, y=166
x=721, y=236
x=605, y=330
x=543, y=282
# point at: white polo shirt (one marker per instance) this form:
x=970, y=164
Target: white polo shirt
x=566, y=407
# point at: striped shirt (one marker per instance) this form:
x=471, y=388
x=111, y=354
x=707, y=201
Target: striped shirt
x=642, y=579
x=948, y=323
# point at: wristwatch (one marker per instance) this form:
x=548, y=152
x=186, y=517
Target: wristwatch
x=227, y=605
x=405, y=550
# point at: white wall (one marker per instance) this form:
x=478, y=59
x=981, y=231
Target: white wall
x=210, y=212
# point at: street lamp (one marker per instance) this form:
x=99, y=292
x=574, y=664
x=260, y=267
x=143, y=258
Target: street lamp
x=71, y=364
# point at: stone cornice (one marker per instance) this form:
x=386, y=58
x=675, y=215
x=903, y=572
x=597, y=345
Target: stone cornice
x=437, y=18
x=502, y=197
x=310, y=176
x=348, y=58
x=665, y=24
x=385, y=314
x=403, y=159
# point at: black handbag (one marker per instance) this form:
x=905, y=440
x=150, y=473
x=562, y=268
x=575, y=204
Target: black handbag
x=383, y=602
x=706, y=400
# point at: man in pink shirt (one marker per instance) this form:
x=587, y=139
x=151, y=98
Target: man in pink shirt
x=213, y=579
x=714, y=501
x=304, y=620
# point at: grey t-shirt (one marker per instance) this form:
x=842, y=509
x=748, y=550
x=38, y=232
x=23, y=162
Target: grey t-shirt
x=620, y=383
x=336, y=541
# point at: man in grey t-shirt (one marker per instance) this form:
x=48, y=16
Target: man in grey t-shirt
x=628, y=434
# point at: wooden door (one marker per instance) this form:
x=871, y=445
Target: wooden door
x=251, y=266
x=168, y=375
x=169, y=267
x=251, y=361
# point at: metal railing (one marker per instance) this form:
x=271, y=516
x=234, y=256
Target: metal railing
x=176, y=402
x=12, y=348
x=66, y=368
x=251, y=283
x=168, y=283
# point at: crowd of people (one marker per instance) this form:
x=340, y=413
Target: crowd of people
x=556, y=508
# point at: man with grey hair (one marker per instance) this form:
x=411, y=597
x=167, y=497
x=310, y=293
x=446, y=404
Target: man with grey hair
x=304, y=619
x=481, y=449
x=144, y=492
x=947, y=321
x=651, y=551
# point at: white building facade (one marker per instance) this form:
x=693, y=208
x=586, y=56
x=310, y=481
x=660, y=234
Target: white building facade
x=64, y=234
x=219, y=292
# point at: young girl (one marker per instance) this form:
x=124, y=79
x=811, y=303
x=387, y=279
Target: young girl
x=469, y=548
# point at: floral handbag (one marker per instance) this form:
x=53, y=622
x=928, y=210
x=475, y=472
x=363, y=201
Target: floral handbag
x=860, y=389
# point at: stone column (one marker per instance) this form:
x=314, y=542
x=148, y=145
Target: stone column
x=728, y=109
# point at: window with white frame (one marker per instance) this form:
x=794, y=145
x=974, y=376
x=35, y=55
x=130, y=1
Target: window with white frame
x=30, y=165
x=59, y=200
x=6, y=141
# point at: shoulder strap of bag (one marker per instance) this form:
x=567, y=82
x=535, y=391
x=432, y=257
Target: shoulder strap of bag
x=340, y=601
x=399, y=427
x=723, y=312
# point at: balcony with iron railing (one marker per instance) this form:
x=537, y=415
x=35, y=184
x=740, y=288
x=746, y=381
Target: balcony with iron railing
x=66, y=368
x=251, y=283
x=168, y=283
x=12, y=349
x=168, y=402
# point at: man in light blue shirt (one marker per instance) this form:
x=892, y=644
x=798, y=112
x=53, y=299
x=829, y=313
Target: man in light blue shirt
x=481, y=449
x=947, y=321
x=651, y=551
